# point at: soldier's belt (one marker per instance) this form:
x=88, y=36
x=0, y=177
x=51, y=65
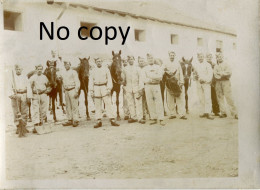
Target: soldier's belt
x=149, y=83
x=103, y=84
x=40, y=93
x=69, y=89
x=21, y=92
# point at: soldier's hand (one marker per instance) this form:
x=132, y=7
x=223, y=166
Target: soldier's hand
x=76, y=95
x=13, y=97
x=28, y=100
x=92, y=94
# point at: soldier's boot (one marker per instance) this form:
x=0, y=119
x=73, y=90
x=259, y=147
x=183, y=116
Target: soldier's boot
x=114, y=123
x=68, y=123
x=208, y=116
x=141, y=121
x=236, y=117
x=75, y=123
x=17, y=129
x=126, y=117
x=203, y=115
x=131, y=120
x=183, y=117
x=162, y=123
x=172, y=117
x=223, y=115
x=98, y=124
x=154, y=121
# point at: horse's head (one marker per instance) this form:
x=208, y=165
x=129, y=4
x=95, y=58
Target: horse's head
x=116, y=67
x=84, y=67
x=51, y=64
x=186, y=61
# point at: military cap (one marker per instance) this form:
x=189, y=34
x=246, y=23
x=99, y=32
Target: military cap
x=171, y=52
x=17, y=66
x=40, y=65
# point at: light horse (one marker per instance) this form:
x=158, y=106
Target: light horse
x=116, y=70
x=83, y=73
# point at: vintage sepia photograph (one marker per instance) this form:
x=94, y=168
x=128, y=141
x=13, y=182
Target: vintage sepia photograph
x=121, y=90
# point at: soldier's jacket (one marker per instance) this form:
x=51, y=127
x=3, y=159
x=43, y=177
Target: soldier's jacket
x=132, y=78
x=70, y=79
x=203, y=71
x=152, y=74
x=222, y=71
x=100, y=78
x=171, y=67
x=22, y=86
x=39, y=83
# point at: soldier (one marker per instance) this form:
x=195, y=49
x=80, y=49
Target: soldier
x=133, y=84
x=203, y=73
x=142, y=66
x=100, y=85
x=125, y=103
x=222, y=73
x=173, y=69
x=71, y=85
x=40, y=88
x=20, y=95
x=152, y=78
x=215, y=106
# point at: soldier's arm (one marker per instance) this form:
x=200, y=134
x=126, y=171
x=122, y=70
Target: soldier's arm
x=28, y=88
x=216, y=72
x=181, y=82
x=123, y=76
x=209, y=76
x=140, y=79
x=91, y=84
x=76, y=79
x=227, y=71
x=109, y=79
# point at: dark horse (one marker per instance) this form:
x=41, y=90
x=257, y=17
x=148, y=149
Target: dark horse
x=55, y=83
x=116, y=70
x=187, y=70
x=83, y=73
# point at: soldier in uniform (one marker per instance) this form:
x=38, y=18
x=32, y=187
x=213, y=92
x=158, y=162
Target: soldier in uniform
x=215, y=106
x=172, y=67
x=203, y=73
x=152, y=78
x=133, y=84
x=20, y=95
x=100, y=85
x=142, y=65
x=71, y=85
x=125, y=103
x=40, y=88
x=222, y=73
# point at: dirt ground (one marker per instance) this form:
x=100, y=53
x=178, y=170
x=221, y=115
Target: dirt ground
x=193, y=148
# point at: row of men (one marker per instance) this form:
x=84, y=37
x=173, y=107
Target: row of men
x=141, y=88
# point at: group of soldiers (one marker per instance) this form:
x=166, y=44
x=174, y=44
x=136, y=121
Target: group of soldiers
x=142, y=90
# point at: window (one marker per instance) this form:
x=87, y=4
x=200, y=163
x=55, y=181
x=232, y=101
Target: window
x=12, y=21
x=140, y=35
x=219, y=46
x=174, y=39
x=86, y=33
x=200, y=42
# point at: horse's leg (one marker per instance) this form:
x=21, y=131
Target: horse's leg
x=61, y=99
x=186, y=99
x=30, y=115
x=117, y=104
x=53, y=107
x=50, y=109
x=86, y=103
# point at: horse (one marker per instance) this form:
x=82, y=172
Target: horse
x=187, y=70
x=83, y=74
x=55, y=84
x=116, y=70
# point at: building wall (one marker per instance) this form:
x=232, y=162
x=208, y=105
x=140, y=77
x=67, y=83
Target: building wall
x=26, y=45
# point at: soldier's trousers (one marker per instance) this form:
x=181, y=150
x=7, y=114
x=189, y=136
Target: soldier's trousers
x=204, y=93
x=223, y=90
x=108, y=107
x=21, y=107
x=39, y=108
x=134, y=105
x=214, y=100
x=125, y=104
x=154, y=101
x=179, y=102
x=72, y=106
x=144, y=105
